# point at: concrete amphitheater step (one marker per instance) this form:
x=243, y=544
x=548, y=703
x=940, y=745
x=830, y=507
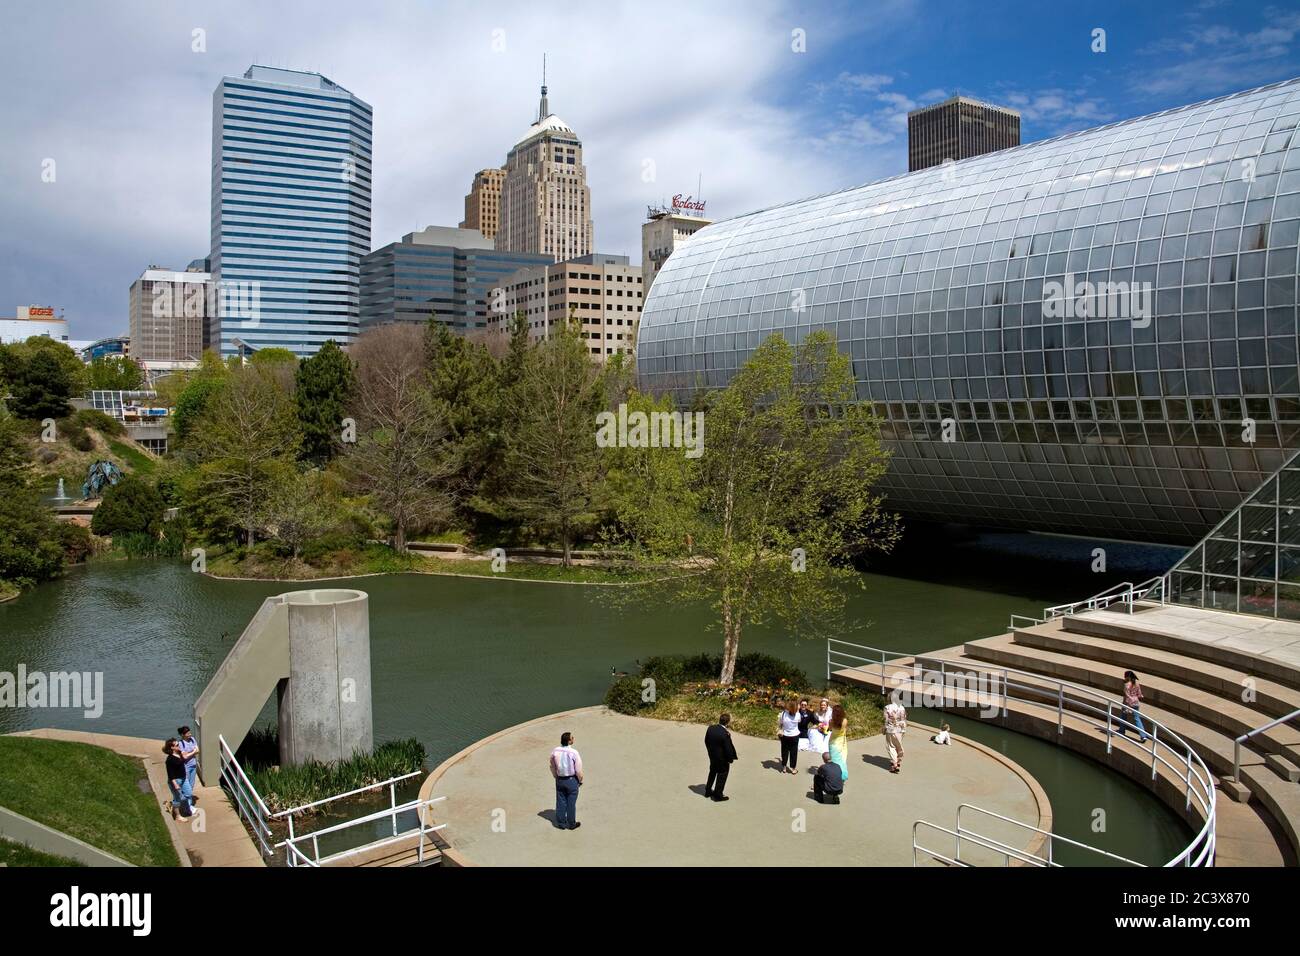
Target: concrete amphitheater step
x=1151, y=628
x=1279, y=796
x=1223, y=714
x=1247, y=835
x=1271, y=697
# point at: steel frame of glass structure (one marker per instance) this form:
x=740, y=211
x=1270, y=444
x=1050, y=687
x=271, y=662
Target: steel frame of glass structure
x=291, y=179
x=933, y=282
x=1250, y=562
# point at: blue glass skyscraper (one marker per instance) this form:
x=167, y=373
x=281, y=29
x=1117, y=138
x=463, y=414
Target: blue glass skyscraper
x=291, y=179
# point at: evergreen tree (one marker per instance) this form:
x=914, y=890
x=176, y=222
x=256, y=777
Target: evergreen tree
x=552, y=463
x=42, y=388
x=325, y=386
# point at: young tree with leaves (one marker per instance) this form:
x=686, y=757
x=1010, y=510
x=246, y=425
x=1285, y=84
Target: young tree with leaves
x=765, y=523
x=245, y=443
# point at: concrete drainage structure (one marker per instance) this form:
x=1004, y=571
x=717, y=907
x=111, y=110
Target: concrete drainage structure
x=312, y=648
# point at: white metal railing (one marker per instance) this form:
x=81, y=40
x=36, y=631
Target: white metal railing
x=953, y=679
x=295, y=856
x=253, y=809
x=1124, y=593
x=247, y=799
x=1007, y=851
x=1236, y=744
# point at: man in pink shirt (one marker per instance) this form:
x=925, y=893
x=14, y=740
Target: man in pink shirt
x=566, y=768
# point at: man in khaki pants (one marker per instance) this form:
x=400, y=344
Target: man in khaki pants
x=895, y=727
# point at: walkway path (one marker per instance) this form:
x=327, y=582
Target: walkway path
x=643, y=804
x=222, y=841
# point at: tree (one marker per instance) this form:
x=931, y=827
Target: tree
x=197, y=392
x=402, y=458
x=274, y=355
x=552, y=461
x=42, y=388
x=116, y=373
x=765, y=523
x=245, y=442
x=325, y=383
x=31, y=547
x=131, y=506
x=299, y=509
x=465, y=392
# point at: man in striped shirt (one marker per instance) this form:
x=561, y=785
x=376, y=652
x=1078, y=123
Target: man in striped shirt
x=566, y=768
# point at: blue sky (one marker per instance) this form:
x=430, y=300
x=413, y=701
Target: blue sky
x=663, y=95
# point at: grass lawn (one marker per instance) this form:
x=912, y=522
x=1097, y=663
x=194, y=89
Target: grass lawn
x=86, y=792
x=381, y=559
x=20, y=854
x=8, y=591
x=140, y=463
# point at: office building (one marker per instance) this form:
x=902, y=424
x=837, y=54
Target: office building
x=958, y=128
x=665, y=228
x=545, y=201
x=168, y=312
x=291, y=182
x=483, y=203
x=438, y=271
x=1095, y=335
x=31, y=320
x=602, y=292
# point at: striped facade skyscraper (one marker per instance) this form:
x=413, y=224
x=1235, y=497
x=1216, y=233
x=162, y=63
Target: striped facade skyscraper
x=291, y=181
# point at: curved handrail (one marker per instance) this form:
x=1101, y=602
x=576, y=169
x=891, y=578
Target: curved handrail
x=1197, y=853
x=1236, y=744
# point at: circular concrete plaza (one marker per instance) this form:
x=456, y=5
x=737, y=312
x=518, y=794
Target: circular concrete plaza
x=643, y=801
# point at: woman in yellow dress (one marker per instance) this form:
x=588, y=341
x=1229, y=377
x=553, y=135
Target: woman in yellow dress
x=839, y=739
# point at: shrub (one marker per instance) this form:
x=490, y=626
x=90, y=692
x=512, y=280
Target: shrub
x=76, y=541
x=670, y=672
x=624, y=695
x=129, y=507
x=80, y=439
x=94, y=418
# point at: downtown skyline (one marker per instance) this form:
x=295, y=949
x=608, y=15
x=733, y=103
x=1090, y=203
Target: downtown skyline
x=122, y=105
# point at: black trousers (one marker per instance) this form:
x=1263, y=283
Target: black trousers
x=790, y=751
x=821, y=793
x=717, y=779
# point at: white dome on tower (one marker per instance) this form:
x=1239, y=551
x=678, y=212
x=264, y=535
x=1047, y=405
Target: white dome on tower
x=547, y=124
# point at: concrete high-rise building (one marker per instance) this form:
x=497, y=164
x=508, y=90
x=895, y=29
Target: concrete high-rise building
x=290, y=209
x=168, y=313
x=958, y=128
x=664, y=230
x=545, y=202
x=603, y=292
x=448, y=273
x=483, y=203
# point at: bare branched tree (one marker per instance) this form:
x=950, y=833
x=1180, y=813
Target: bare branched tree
x=401, y=458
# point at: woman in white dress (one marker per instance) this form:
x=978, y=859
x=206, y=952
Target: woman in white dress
x=818, y=729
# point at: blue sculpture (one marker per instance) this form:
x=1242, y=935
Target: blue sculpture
x=100, y=474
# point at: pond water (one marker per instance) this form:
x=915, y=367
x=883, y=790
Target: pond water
x=454, y=659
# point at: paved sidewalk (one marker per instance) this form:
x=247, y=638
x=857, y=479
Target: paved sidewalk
x=643, y=803
x=223, y=840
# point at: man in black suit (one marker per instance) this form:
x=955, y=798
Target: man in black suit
x=717, y=741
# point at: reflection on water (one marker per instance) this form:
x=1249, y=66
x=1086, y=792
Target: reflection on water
x=455, y=659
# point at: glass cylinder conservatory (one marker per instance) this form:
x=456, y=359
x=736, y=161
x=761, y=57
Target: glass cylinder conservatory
x=1094, y=334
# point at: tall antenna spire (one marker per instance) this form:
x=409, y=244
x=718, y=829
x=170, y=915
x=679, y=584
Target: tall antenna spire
x=543, y=109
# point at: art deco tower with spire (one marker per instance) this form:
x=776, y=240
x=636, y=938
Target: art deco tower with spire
x=545, y=202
